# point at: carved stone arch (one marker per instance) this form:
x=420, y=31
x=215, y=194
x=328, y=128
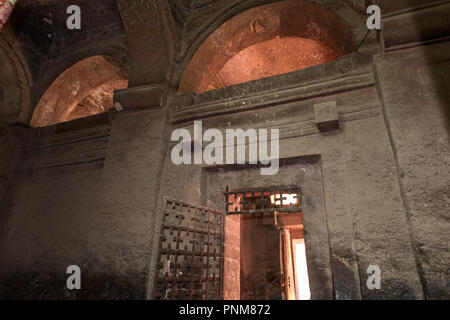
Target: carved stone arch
x=85, y=88
x=341, y=18
x=114, y=48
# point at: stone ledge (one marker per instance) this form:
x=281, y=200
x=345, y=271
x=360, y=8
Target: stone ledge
x=270, y=98
x=151, y=96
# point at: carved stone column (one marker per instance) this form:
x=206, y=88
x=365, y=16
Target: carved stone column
x=7, y=152
x=121, y=251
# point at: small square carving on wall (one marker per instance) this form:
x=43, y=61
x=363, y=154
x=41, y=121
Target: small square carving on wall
x=326, y=116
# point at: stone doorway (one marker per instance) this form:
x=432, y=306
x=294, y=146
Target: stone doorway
x=304, y=172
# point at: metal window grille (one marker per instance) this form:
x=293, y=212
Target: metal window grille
x=263, y=200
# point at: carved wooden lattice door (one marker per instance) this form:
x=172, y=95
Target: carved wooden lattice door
x=191, y=253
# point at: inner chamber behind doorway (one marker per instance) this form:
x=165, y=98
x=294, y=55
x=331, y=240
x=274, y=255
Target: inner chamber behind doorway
x=268, y=243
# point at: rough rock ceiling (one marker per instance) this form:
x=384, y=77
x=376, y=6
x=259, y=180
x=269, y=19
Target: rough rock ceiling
x=38, y=33
x=174, y=27
x=40, y=27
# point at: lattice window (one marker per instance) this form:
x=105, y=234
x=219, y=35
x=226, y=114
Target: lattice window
x=275, y=199
x=191, y=253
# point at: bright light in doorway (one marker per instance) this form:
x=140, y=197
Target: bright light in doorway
x=301, y=272
x=287, y=199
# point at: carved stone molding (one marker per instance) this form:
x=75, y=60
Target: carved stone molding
x=346, y=74
x=152, y=96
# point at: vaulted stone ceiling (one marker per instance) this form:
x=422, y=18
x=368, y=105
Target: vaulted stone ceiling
x=156, y=37
x=192, y=16
x=177, y=28
x=194, y=20
x=174, y=27
x=37, y=34
x=171, y=25
x=40, y=29
x=269, y=40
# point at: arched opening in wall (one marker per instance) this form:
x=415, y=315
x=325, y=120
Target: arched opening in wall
x=83, y=90
x=266, y=41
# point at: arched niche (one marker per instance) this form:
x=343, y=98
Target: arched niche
x=269, y=40
x=82, y=90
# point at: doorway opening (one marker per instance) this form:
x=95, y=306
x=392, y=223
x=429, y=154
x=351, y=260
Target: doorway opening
x=265, y=253
x=254, y=251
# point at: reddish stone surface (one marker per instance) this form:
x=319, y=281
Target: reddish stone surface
x=283, y=19
x=100, y=100
x=232, y=263
x=83, y=90
x=271, y=58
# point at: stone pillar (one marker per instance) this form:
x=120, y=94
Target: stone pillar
x=4, y=159
x=6, y=7
x=7, y=153
x=416, y=109
x=122, y=239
